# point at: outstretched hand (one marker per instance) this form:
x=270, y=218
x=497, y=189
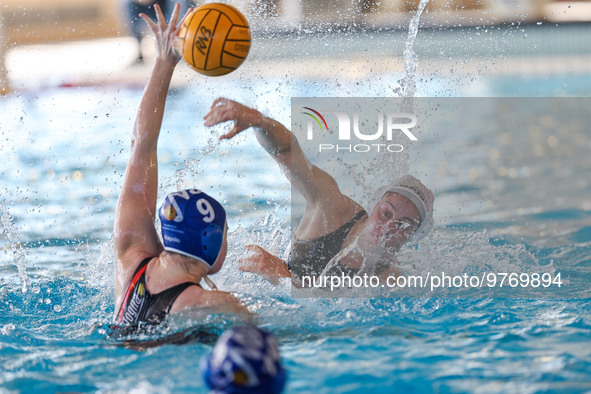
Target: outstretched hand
x=263, y=263
x=166, y=35
x=223, y=110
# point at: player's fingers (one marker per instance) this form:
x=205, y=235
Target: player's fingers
x=246, y=264
x=235, y=130
x=186, y=15
x=220, y=101
x=175, y=16
x=150, y=23
x=215, y=116
x=160, y=17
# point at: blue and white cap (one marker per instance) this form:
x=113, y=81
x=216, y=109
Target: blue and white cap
x=193, y=224
x=244, y=360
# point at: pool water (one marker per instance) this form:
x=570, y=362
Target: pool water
x=512, y=198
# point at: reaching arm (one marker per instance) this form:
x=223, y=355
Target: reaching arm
x=134, y=234
x=312, y=182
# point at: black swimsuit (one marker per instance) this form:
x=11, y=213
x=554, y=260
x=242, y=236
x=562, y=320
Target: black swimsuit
x=141, y=306
x=310, y=257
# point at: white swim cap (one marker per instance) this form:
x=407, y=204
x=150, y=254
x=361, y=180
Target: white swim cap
x=411, y=188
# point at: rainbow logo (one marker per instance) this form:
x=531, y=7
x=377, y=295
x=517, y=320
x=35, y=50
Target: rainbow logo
x=315, y=118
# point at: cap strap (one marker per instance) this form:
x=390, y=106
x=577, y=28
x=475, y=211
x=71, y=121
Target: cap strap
x=209, y=283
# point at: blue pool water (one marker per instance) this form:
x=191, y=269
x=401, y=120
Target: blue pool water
x=522, y=200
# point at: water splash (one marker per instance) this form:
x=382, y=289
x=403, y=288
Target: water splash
x=190, y=171
x=18, y=251
x=408, y=85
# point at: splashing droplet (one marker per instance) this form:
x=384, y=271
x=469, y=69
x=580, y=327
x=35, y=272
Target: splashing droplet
x=410, y=57
x=19, y=253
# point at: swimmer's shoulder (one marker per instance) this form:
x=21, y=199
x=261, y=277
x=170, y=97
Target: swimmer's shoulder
x=127, y=262
x=322, y=219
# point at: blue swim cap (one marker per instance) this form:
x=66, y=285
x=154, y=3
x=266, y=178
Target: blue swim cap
x=244, y=360
x=193, y=224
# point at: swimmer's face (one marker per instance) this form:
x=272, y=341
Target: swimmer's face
x=223, y=252
x=394, y=219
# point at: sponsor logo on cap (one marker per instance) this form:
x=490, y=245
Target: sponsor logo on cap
x=172, y=239
x=169, y=213
x=416, y=190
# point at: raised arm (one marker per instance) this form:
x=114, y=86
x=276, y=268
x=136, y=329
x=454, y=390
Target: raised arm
x=312, y=182
x=326, y=207
x=134, y=234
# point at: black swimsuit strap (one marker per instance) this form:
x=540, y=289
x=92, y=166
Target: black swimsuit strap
x=131, y=286
x=167, y=297
x=338, y=235
x=142, y=264
x=342, y=231
x=349, y=225
x=311, y=256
